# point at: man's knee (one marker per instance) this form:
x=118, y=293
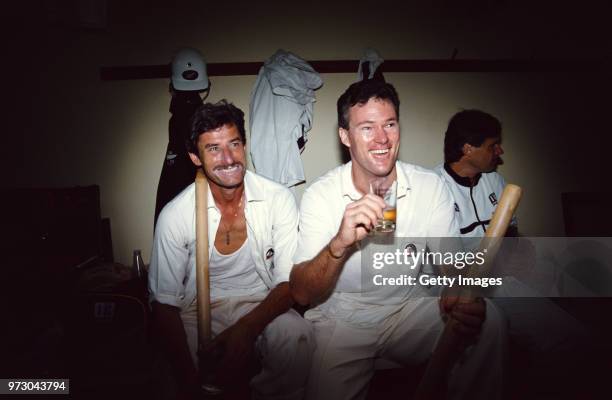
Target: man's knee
x=286, y=348
x=288, y=332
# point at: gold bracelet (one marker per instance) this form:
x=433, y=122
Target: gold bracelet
x=332, y=254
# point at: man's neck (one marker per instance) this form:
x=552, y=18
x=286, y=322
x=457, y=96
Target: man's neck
x=464, y=170
x=226, y=197
x=362, y=180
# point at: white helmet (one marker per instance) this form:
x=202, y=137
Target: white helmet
x=189, y=71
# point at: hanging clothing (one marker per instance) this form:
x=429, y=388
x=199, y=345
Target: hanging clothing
x=368, y=66
x=178, y=171
x=281, y=115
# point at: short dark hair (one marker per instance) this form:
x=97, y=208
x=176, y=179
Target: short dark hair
x=211, y=116
x=468, y=126
x=362, y=91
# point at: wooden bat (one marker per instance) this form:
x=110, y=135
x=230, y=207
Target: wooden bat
x=202, y=271
x=203, y=284
x=450, y=346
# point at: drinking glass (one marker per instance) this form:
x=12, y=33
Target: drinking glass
x=388, y=192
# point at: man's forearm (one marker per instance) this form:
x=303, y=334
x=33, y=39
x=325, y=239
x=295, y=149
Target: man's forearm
x=312, y=281
x=168, y=329
x=277, y=302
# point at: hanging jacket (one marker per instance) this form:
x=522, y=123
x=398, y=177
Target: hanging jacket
x=281, y=115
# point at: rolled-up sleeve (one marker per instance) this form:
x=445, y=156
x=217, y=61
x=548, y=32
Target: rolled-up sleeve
x=169, y=262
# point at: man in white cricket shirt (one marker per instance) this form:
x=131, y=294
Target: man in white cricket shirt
x=252, y=230
x=337, y=212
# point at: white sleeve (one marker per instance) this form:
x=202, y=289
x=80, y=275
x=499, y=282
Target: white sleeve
x=169, y=261
x=284, y=234
x=316, y=226
x=442, y=222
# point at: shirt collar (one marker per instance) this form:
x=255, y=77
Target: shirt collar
x=349, y=190
x=403, y=181
x=463, y=181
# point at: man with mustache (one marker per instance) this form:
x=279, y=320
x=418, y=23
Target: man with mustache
x=252, y=224
x=472, y=152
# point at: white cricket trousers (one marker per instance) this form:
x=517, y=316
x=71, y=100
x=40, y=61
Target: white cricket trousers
x=343, y=364
x=285, y=346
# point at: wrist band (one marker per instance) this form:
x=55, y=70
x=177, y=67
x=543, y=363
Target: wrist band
x=332, y=254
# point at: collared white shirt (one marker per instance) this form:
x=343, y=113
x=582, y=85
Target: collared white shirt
x=424, y=210
x=272, y=220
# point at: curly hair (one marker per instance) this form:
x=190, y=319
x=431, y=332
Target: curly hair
x=211, y=116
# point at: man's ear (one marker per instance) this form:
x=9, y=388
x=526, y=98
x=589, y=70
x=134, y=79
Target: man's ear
x=195, y=159
x=343, y=133
x=467, y=148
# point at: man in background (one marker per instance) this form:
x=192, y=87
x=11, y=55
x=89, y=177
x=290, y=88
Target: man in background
x=472, y=152
x=555, y=340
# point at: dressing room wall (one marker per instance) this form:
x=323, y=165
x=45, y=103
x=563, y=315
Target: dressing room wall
x=79, y=130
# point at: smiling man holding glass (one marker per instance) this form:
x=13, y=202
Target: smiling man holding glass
x=340, y=213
